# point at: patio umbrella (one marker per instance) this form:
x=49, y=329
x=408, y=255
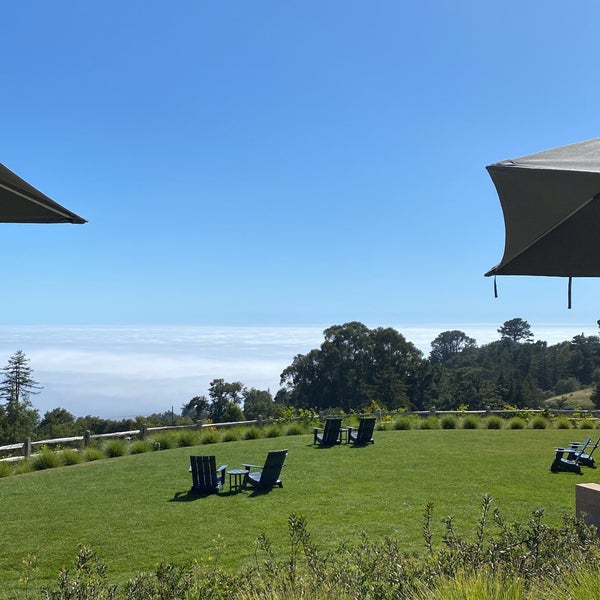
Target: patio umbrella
x=551, y=206
x=22, y=203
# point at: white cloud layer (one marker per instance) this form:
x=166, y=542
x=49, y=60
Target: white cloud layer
x=117, y=372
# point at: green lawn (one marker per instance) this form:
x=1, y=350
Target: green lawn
x=125, y=508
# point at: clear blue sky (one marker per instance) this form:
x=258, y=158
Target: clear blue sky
x=271, y=162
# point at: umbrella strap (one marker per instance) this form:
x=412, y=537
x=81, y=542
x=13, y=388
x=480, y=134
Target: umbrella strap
x=495, y=288
x=569, y=292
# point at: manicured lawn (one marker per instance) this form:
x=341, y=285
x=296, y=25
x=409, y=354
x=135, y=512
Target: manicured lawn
x=125, y=508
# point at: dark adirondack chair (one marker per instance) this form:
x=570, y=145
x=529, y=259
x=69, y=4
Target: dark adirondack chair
x=267, y=476
x=330, y=433
x=364, y=435
x=562, y=464
x=206, y=478
x=581, y=453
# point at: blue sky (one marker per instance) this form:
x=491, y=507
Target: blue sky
x=292, y=164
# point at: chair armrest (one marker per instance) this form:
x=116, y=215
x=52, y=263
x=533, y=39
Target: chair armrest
x=248, y=467
x=221, y=468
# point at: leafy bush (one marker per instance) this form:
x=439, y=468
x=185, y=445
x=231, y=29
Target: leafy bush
x=516, y=423
x=46, y=459
x=470, y=422
x=494, y=422
x=448, y=422
x=539, y=422
x=403, y=423
x=586, y=424
x=563, y=423
x=115, y=448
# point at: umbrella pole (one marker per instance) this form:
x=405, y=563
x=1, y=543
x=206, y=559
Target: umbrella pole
x=569, y=292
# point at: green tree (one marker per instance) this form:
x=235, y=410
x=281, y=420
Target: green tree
x=221, y=393
x=19, y=418
x=197, y=408
x=449, y=344
x=517, y=330
x=259, y=403
x=57, y=423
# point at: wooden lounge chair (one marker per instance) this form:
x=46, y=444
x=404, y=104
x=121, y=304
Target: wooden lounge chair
x=330, y=433
x=582, y=454
x=562, y=464
x=364, y=435
x=267, y=476
x=206, y=478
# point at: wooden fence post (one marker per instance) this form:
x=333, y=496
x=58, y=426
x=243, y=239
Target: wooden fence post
x=87, y=438
x=27, y=448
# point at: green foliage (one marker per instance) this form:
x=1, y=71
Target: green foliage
x=93, y=453
x=539, y=422
x=115, y=447
x=6, y=469
x=494, y=422
x=586, y=424
x=252, y=433
x=516, y=423
x=403, y=423
x=70, y=456
x=46, y=459
x=429, y=423
x=230, y=434
x=448, y=422
x=562, y=423
x=165, y=440
x=471, y=422
x=272, y=431
x=294, y=429
x=140, y=446
x=209, y=436
x=186, y=438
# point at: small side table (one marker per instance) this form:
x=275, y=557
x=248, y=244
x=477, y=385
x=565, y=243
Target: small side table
x=236, y=479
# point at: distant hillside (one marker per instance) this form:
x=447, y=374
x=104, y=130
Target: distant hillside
x=572, y=400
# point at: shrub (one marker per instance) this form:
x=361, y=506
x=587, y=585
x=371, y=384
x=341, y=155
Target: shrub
x=272, y=431
x=46, y=459
x=448, y=422
x=231, y=434
x=71, y=456
x=186, y=438
x=563, y=423
x=586, y=424
x=403, y=423
x=494, y=422
x=210, y=436
x=140, y=446
x=114, y=448
x=516, y=423
x=166, y=441
x=252, y=433
x=5, y=469
x=470, y=422
x=92, y=453
x=429, y=423
x=294, y=429
x=539, y=423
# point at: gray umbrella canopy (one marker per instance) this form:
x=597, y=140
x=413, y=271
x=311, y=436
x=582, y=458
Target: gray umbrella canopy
x=551, y=206
x=22, y=203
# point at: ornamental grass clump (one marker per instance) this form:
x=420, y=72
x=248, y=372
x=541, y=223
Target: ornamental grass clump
x=403, y=423
x=93, y=453
x=252, y=433
x=46, y=459
x=272, y=431
x=294, y=429
x=186, y=438
x=6, y=469
x=210, y=436
x=494, y=422
x=231, y=434
x=516, y=423
x=70, y=456
x=586, y=424
x=140, y=446
x=539, y=423
x=115, y=448
x=562, y=423
x=429, y=423
x=448, y=422
x=470, y=422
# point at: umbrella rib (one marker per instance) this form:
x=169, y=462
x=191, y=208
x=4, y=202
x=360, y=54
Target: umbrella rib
x=38, y=202
x=545, y=233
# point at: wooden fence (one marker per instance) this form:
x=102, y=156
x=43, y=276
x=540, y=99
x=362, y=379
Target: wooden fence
x=26, y=448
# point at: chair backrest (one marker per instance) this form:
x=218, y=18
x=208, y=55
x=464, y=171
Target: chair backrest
x=204, y=473
x=272, y=469
x=365, y=430
x=331, y=433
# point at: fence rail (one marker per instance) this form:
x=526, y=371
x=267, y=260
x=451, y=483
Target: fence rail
x=28, y=445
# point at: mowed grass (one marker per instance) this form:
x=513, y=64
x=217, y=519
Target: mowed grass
x=135, y=512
